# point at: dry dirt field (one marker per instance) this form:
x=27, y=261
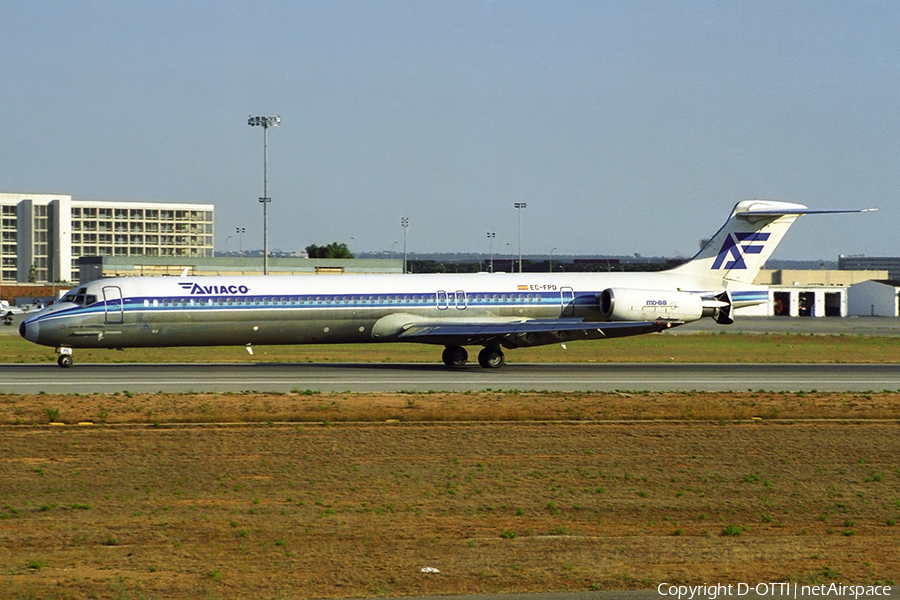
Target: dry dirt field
x=338, y=495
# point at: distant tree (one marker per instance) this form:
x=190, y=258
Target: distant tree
x=332, y=250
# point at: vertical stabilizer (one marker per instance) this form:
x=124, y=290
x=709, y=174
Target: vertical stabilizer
x=741, y=247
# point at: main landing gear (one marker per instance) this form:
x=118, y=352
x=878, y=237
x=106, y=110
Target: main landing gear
x=489, y=357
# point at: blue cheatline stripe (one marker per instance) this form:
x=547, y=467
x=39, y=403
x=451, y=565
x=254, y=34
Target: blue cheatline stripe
x=153, y=303
x=748, y=296
x=425, y=300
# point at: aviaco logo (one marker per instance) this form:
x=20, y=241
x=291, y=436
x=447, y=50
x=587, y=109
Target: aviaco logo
x=737, y=245
x=196, y=288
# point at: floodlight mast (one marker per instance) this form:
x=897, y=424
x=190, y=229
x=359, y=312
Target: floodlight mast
x=491, y=235
x=265, y=123
x=404, y=223
x=519, y=207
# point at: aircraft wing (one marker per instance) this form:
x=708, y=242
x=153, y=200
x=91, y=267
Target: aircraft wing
x=530, y=332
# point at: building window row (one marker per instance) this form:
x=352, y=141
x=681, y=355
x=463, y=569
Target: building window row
x=83, y=212
x=140, y=227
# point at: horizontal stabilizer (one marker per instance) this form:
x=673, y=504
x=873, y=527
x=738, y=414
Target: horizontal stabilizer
x=798, y=211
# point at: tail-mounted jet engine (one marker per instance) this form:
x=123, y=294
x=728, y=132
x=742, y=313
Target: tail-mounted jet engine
x=624, y=304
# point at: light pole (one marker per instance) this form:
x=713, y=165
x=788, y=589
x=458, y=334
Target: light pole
x=551, y=258
x=265, y=123
x=404, y=223
x=519, y=206
x=491, y=235
x=392, y=251
x=240, y=231
x=226, y=245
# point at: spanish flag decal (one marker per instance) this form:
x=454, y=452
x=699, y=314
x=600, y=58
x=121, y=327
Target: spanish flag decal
x=523, y=288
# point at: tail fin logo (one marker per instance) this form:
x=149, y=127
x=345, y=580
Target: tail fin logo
x=736, y=246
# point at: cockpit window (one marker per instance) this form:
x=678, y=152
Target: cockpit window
x=80, y=299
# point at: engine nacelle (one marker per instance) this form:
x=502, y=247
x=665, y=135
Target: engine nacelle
x=624, y=304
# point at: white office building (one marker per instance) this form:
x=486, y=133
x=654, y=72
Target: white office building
x=42, y=236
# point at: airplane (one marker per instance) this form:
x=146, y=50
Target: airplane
x=7, y=311
x=496, y=311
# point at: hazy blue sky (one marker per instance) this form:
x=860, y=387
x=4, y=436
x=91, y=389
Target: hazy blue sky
x=627, y=127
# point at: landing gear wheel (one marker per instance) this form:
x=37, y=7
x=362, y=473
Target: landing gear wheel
x=455, y=356
x=64, y=360
x=491, y=358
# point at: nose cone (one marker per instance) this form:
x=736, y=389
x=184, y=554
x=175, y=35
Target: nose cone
x=29, y=330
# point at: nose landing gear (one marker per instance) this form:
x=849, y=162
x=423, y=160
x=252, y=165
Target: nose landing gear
x=65, y=357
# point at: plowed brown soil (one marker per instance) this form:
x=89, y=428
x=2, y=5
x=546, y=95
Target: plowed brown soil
x=335, y=495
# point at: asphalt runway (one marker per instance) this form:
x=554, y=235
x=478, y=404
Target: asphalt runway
x=354, y=377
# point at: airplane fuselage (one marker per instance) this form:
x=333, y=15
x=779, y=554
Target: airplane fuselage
x=201, y=311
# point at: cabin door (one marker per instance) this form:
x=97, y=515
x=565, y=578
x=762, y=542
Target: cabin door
x=114, y=307
x=462, y=301
x=567, y=300
x=443, y=300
